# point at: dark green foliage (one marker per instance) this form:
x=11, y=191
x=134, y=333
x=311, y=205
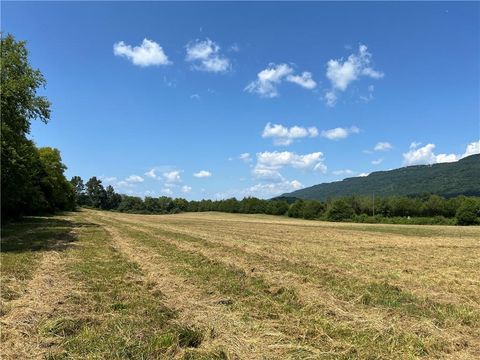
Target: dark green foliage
x=79, y=191
x=313, y=209
x=32, y=179
x=467, y=213
x=448, y=180
x=339, y=210
x=296, y=209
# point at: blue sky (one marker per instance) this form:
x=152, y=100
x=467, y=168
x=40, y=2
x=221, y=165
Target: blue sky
x=211, y=100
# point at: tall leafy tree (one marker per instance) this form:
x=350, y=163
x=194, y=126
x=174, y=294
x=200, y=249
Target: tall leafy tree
x=20, y=104
x=96, y=193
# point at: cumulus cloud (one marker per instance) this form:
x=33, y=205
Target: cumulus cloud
x=134, y=179
x=202, y=174
x=147, y=54
x=151, y=173
x=205, y=56
x=278, y=159
x=472, y=149
x=266, y=84
x=268, y=80
x=305, y=80
x=186, y=189
x=425, y=154
x=269, y=164
x=339, y=133
x=285, y=136
x=363, y=174
x=342, y=73
x=377, y=162
x=383, y=146
x=172, y=176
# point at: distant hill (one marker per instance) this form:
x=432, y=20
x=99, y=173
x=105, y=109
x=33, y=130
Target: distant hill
x=448, y=179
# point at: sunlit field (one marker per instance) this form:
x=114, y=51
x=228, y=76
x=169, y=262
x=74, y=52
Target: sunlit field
x=105, y=285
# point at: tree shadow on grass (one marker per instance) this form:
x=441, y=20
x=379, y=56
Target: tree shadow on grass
x=35, y=233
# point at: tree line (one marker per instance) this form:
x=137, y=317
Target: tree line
x=32, y=178
x=425, y=209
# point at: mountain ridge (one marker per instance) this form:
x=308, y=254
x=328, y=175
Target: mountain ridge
x=461, y=177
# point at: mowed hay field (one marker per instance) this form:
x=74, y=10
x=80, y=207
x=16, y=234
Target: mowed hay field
x=104, y=285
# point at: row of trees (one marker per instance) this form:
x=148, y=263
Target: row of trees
x=461, y=209
x=32, y=178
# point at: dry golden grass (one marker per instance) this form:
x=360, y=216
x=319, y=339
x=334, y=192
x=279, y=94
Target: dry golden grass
x=256, y=287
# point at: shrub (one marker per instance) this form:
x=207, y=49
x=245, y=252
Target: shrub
x=467, y=213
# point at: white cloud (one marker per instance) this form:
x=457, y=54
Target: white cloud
x=245, y=157
x=122, y=184
x=472, y=148
x=202, y=174
x=269, y=163
x=331, y=98
x=343, y=172
x=284, y=136
x=147, y=54
x=266, y=173
x=151, y=173
x=205, y=56
x=166, y=191
x=265, y=190
x=416, y=156
x=195, y=96
x=342, y=73
x=339, y=133
x=305, y=80
x=377, y=162
x=425, y=155
x=186, y=189
x=363, y=174
x=383, y=146
x=134, y=179
x=172, y=176
x=269, y=79
x=444, y=158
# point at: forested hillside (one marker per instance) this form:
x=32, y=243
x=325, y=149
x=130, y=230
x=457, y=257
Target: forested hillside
x=447, y=179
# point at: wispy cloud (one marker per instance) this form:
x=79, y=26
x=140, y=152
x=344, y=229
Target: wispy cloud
x=147, y=54
x=383, y=146
x=186, y=189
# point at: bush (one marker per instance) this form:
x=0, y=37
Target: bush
x=467, y=213
x=340, y=210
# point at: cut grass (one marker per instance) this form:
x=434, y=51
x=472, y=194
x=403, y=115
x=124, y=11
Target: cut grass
x=306, y=327
x=121, y=316
x=297, y=289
